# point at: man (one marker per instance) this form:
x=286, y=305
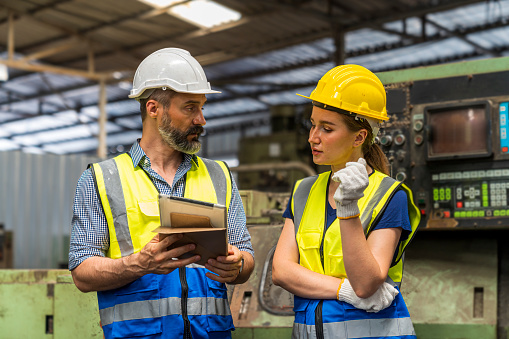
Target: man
x=143, y=289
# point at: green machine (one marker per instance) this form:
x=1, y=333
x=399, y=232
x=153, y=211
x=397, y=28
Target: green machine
x=46, y=304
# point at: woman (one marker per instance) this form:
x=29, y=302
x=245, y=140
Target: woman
x=340, y=251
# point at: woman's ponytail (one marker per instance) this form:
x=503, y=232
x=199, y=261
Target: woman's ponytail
x=373, y=154
x=376, y=158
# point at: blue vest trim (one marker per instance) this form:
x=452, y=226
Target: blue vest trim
x=342, y=320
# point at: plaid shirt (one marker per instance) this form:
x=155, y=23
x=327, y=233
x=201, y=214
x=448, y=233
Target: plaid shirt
x=90, y=235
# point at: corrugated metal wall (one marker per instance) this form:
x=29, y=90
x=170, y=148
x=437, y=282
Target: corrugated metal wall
x=36, y=198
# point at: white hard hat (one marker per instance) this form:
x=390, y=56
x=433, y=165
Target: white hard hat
x=174, y=68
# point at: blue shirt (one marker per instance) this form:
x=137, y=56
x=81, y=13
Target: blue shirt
x=90, y=235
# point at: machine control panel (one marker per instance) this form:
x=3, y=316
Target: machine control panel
x=452, y=149
x=471, y=194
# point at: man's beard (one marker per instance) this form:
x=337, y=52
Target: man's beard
x=177, y=139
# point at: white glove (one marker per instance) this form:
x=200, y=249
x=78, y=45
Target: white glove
x=353, y=180
x=380, y=300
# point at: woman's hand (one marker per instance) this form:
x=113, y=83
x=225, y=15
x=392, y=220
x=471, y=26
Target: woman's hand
x=353, y=180
x=380, y=300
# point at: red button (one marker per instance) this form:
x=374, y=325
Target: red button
x=505, y=149
x=447, y=214
x=423, y=212
x=459, y=204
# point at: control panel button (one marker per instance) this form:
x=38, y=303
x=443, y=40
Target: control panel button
x=399, y=139
x=418, y=125
x=401, y=176
x=459, y=204
x=418, y=139
x=385, y=140
x=447, y=214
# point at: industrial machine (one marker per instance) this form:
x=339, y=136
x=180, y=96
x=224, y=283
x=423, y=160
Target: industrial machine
x=447, y=139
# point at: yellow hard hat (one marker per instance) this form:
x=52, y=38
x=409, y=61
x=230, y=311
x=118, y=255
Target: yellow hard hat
x=354, y=89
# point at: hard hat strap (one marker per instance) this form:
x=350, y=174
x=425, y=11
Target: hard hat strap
x=375, y=125
x=335, y=109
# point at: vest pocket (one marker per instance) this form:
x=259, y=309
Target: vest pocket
x=309, y=250
x=149, y=208
x=137, y=310
x=336, y=266
x=218, y=309
x=216, y=289
x=149, y=212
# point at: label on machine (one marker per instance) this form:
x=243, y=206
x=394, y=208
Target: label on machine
x=504, y=141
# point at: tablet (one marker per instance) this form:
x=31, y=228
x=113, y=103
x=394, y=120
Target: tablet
x=182, y=212
x=200, y=223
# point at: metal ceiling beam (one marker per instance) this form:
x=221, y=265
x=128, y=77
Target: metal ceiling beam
x=462, y=37
x=238, y=78
x=145, y=15
x=18, y=64
x=50, y=51
x=418, y=11
x=31, y=13
x=176, y=39
x=23, y=64
x=247, y=50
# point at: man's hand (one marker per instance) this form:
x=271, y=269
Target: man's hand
x=227, y=268
x=100, y=273
x=156, y=258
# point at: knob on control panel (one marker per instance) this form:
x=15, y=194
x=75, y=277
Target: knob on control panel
x=399, y=139
x=418, y=139
x=418, y=125
x=386, y=140
x=401, y=176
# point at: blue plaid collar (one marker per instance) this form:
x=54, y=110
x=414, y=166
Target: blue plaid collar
x=141, y=159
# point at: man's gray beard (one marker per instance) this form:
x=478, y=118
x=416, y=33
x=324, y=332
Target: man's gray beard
x=178, y=140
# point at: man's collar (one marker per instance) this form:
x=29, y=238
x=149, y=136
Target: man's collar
x=138, y=154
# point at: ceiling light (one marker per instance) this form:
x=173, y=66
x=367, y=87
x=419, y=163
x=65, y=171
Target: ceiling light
x=160, y=3
x=204, y=13
x=4, y=73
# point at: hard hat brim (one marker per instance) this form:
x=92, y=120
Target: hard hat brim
x=139, y=96
x=303, y=96
x=354, y=113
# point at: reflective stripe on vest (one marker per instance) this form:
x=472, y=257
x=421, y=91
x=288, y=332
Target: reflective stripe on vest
x=163, y=307
x=116, y=201
x=218, y=180
x=364, y=328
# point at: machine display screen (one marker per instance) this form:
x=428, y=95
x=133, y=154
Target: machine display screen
x=459, y=132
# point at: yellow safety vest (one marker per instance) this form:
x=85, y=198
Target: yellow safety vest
x=309, y=207
x=131, y=201
x=155, y=302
